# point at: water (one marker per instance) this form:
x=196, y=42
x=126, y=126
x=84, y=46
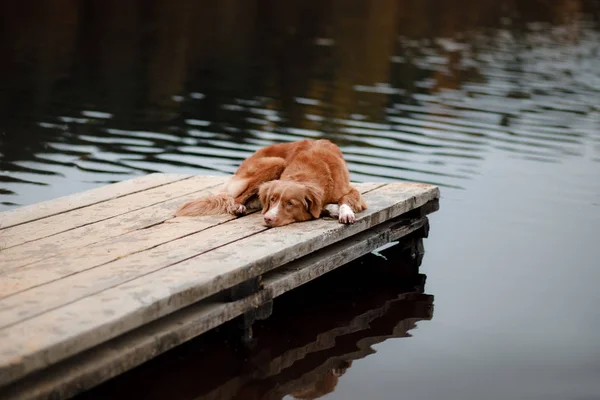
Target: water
x=498, y=103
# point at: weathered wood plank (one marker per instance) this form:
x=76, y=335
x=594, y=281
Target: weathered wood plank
x=63, y=244
x=78, y=200
x=63, y=332
x=20, y=234
x=82, y=278
x=136, y=347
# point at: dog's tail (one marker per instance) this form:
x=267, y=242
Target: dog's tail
x=221, y=203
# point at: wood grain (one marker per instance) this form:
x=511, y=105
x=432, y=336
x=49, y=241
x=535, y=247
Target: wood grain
x=55, y=224
x=78, y=200
x=67, y=244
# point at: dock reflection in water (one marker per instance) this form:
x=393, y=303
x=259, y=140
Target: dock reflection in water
x=314, y=335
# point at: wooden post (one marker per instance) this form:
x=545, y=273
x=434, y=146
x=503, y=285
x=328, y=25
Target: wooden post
x=244, y=322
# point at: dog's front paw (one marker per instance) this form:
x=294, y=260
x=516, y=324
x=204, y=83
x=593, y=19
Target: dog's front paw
x=346, y=215
x=237, y=209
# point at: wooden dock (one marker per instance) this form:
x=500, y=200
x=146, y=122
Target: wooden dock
x=94, y=284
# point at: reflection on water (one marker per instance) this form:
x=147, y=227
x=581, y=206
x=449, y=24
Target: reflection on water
x=99, y=91
x=303, y=349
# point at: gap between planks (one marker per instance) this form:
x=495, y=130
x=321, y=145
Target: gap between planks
x=132, y=349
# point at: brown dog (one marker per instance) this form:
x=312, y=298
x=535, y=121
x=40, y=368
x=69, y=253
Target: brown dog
x=313, y=174
x=310, y=183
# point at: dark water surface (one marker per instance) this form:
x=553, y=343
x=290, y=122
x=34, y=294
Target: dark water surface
x=497, y=102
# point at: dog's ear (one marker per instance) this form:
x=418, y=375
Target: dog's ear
x=264, y=195
x=314, y=200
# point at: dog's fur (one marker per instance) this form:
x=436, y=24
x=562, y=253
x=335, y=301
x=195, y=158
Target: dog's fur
x=294, y=181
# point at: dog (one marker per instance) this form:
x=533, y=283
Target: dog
x=292, y=182
x=311, y=184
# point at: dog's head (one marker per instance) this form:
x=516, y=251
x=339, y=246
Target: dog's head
x=285, y=202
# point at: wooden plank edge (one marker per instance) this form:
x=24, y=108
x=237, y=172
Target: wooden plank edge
x=86, y=370
x=25, y=214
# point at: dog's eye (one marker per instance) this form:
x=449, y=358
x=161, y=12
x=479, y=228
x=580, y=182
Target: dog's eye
x=273, y=199
x=289, y=204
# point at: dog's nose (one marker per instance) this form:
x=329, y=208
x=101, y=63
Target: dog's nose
x=269, y=219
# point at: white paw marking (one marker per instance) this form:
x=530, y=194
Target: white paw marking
x=346, y=215
x=333, y=210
